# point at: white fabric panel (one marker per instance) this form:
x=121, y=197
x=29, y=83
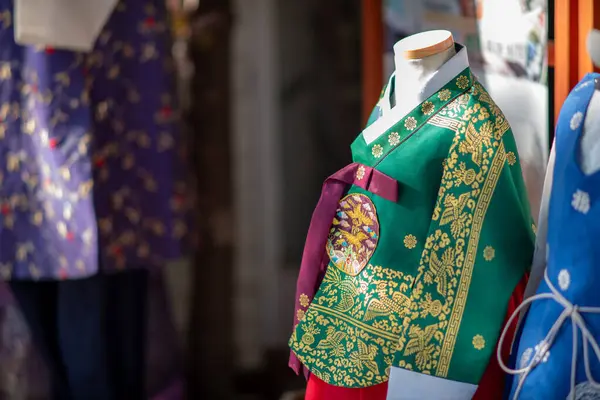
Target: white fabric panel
x=62, y=24
x=410, y=385
x=539, y=257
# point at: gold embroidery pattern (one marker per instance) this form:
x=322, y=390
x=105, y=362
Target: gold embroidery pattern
x=410, y=241
x=410, y=123
x=462, y=82
x=420, y=345
x=471, y=171
x=377, y=151
x=351, y=329
x=304, y=300
x=489, y=253
x=511, y=158
x=360, y=173
x=444, y=95
x=467, y=271
x=478, y=342
x=476, y=141
x=394, y=139
x=354, y=234
x=445, y=122
x=427, y=108
x=300, y=315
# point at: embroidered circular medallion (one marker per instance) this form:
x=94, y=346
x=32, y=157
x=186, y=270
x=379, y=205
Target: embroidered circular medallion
x=354, y=234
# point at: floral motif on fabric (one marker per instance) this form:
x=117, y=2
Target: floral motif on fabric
x=377, y=151
x=444, y=95
x=462, y=82
x=542, y=352
x=478, y=342
x=410, y=241
x=511, y=158
x=360, y=172
x=427, y=108
x=304, y=300
x=489, y=253
x=581, y=201
x=354, y=234
x=576, y=120
x=564, y=279
x=394, y=139
x=410, y=123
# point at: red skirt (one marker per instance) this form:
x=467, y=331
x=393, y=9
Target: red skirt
x=319, y=390
x=491, y=386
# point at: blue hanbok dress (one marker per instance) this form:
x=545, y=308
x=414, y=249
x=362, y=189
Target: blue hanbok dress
x=557, y=355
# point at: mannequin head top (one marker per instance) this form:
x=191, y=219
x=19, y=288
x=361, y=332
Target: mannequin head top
x=593, y=46
x=420, y=55
x=417, y=58
x=424, y=44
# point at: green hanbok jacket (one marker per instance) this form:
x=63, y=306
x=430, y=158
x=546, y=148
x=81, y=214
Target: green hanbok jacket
x=422, y=249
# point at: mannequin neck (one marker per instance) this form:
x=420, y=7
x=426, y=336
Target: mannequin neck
x=414, y=74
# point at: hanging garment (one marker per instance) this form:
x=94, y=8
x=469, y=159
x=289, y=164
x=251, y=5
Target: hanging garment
x=405, y=243
x=557, y=354
x=92, y=183
x=91, y=170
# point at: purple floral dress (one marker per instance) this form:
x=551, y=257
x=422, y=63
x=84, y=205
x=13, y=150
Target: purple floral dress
x=91, y=176
x=88, y=166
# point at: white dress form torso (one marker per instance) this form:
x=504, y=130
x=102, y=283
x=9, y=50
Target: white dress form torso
x=415, y=74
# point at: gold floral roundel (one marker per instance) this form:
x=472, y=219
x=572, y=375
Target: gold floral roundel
x=354, y=234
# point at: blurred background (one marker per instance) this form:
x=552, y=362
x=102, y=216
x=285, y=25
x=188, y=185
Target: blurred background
x=272, y=93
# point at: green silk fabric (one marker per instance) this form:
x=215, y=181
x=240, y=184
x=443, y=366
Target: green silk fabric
x=433, y=296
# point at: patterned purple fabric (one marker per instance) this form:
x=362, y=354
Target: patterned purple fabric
x=89, y=175
x=88, y=144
